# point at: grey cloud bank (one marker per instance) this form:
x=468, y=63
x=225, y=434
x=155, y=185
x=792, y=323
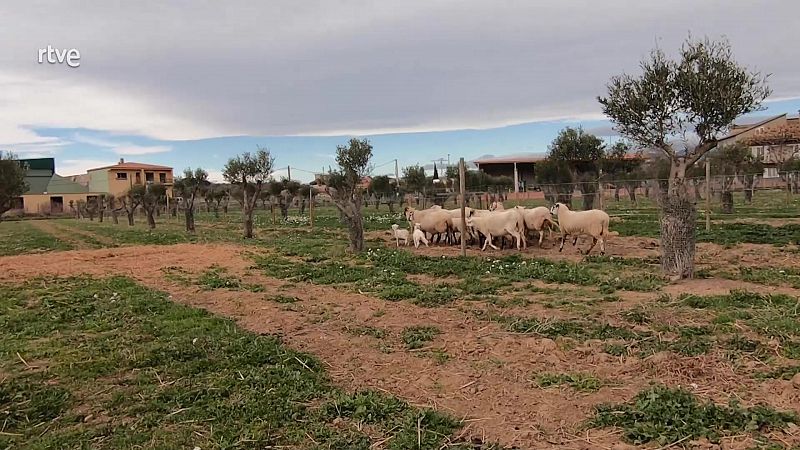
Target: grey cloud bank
x=185, y=70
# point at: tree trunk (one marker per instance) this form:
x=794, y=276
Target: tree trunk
x=390, y=204
x=355, y=226
x=100, y=217
x=189, y=213
x=114, y=217
x=130, y=217
x=302, y=206
x=616, y=193
x=587, y=194
x=678, y=225
x=727, y=202
x=151, y=220
x=248, y=223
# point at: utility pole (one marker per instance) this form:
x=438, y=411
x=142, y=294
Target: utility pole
x=462, y=189
x=289, y=172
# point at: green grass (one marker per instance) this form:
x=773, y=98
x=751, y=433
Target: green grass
x=771, y=315
x=417, y=336
x=581, y=382
x=21, y=237
x=217, y=277
x=665, y=415
x=114, y=364
x=366, y=330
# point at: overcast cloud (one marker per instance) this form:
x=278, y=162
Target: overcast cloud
x=196, y=69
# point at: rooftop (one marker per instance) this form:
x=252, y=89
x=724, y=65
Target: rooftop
x=122, y=165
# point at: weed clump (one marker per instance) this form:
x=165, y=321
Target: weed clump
x=666, y=415
x=416, y=337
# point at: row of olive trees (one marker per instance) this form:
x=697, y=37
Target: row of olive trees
x=251, y=172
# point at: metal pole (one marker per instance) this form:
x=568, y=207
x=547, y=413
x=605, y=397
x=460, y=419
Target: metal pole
x=396, y=176
x=708, y=194
x=600, y=190
x=311, y=207
x=289, y=172
x=462, y=189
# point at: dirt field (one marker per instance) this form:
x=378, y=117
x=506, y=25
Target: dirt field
x=488, y=377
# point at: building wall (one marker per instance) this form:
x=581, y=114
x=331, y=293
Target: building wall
x=40, y=203
x=98, y=180
x=118, y=186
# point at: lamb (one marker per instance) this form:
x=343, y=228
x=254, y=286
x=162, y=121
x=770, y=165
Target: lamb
x=497, y=224
x=419, y=236
x=537, y=219
x=592, y=223
x=399, y=234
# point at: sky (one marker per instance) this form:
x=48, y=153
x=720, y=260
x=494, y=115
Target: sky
x=192, y=83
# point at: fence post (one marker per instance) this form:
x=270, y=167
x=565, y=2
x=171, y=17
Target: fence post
x=462, y=189
x=708, y=194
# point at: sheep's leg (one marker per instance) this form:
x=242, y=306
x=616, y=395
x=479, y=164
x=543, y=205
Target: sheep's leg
x=575, y=241
x=594, y=242
x=397, y=241
x=541, y=236
x=563, y=238
x=489, y=241
x=517, y=235
x=602, y=246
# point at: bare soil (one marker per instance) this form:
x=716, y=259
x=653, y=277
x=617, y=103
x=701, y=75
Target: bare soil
x=487, y=379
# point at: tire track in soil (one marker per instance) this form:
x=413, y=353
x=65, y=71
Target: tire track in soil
x=49, y=228
x=486, y=381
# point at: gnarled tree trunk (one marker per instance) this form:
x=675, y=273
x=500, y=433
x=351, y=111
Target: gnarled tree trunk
x=678, y=225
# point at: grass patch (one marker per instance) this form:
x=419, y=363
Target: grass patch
x=22, y=237
x=579, y=381
x=284, y=299
x=366, y=330
x=417, y=336
x=666, y=415
x=169, y=373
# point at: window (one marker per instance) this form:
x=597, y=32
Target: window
x=162, y=178
x=149, y=177
x=122, y=176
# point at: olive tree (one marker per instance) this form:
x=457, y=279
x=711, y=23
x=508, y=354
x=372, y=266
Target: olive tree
x=189, y=186
x=581, y=153
x=129, y=201
x=249, y=172
x=150, y=197
x=347, y=192
x=12, y=180
x=681, y=107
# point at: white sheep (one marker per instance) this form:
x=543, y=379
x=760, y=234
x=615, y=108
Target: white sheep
x=593, y=222
x=435, y=221
x=497, y=224
x=419, y=236
x=537, y=219
x=399, y=234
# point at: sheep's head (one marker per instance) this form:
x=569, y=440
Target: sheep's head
x=417, y=225
x=493, y=206
x=554, y=208
x=470, y=222
x=395, y=226
x=407, y=212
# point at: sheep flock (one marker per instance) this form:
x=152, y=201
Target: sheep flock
x=501, y=226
